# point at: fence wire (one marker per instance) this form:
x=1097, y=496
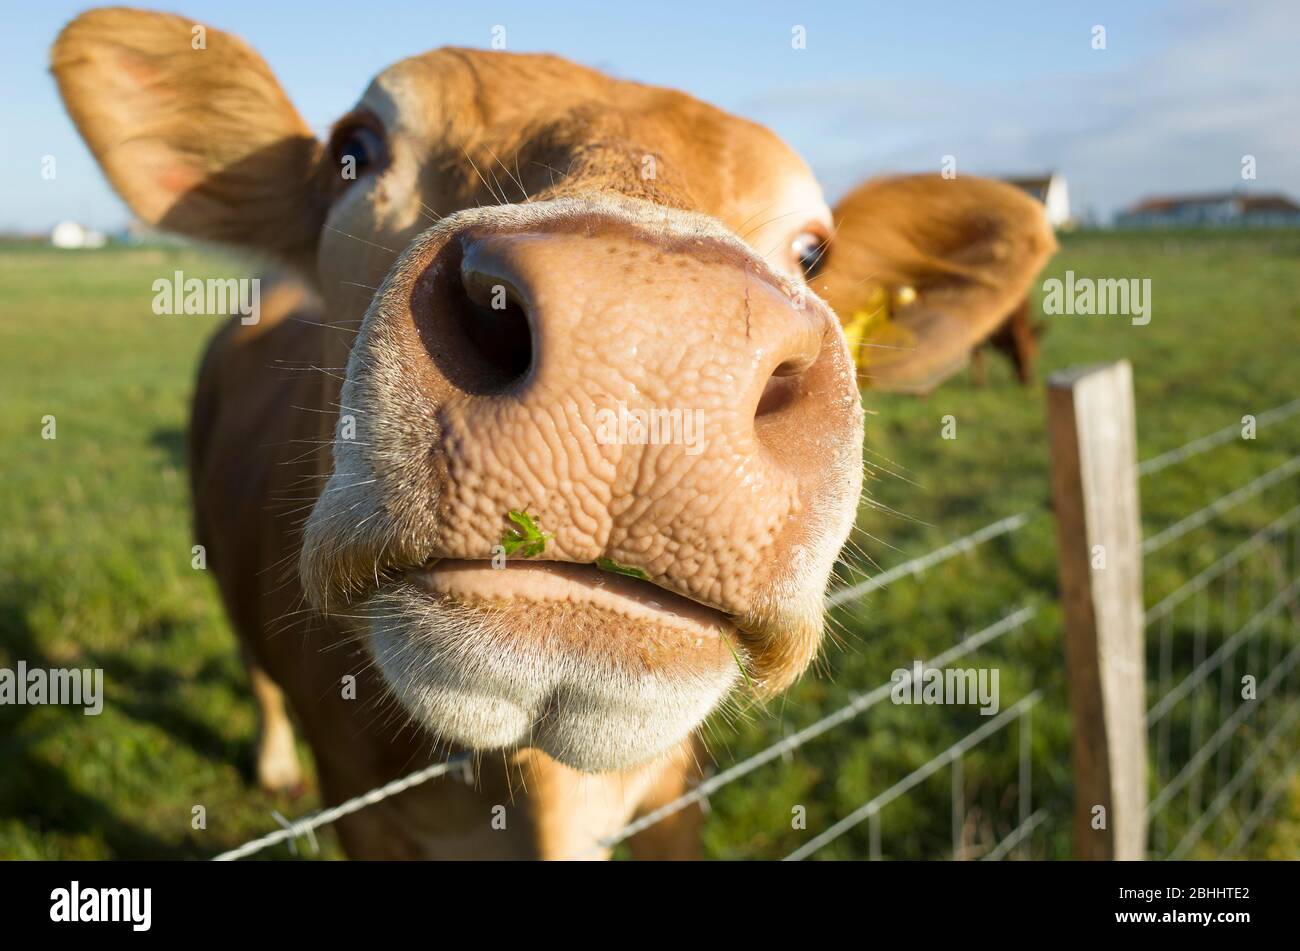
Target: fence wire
x=1217, y=438
x=870, y=811
x=916, y=566
x=912, y=779
x=1200, y=517
x=309, y=824
x=1260, y=574
x=797, y=739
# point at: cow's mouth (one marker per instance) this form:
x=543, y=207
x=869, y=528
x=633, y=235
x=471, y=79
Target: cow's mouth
x=567, y=583
x=600, y=670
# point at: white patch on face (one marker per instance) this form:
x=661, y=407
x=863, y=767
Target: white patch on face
x=475, y=680
x=389, y=99
x=381, y=212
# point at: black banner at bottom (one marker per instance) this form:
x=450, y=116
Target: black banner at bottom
x=336, y=900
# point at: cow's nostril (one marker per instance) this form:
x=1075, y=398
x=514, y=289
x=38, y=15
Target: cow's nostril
x=490, y=317
x=780, y=392
x=474, y=324
x=498, y=331
x=785, y=384
x=795, y=366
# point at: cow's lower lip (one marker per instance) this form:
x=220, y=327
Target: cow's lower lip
x=597, y=670
x=548, y=582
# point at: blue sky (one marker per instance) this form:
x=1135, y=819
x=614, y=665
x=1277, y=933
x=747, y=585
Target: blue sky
x=1182, y=91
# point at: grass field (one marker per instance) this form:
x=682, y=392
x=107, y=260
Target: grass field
x=95, y=563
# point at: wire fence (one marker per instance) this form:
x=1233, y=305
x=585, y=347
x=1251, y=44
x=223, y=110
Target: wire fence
x=1226, y=710
x=858, y=705
x=307, y=825
x=1251, y=590
x=949, y=757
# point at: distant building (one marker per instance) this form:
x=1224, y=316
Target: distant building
x=1214, y=210
x=1050, y=189
x=69, y=234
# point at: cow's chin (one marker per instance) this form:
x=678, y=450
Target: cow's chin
x=599, y=671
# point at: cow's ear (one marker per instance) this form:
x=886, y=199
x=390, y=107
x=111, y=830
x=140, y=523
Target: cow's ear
x=192, y=129
x=921, y=269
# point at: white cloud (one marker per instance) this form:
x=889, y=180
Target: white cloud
x=1221, y=83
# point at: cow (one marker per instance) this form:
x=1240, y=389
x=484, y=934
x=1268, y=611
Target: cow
x=432, y=527
x=893, y=273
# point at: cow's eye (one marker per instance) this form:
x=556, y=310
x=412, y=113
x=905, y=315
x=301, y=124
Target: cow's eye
x=808, y=249
x=358, y=149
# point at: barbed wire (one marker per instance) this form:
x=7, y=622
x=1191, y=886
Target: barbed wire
x=1013, y=523
x=308, y=824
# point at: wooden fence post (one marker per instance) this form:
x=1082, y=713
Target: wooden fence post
x=1093, y=438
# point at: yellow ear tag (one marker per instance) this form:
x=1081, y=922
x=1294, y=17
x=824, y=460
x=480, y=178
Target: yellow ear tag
x=856, y=331
x=872, y=335
x=875, y=310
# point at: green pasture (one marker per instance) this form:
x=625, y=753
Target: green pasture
x=95, y=569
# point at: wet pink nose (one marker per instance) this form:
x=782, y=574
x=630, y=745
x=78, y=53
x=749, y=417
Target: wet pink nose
x=654, y=402
x=533, y=315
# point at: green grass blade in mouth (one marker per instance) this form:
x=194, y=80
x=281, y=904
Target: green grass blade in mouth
x=526, y=539
x=740, y=664
x=608, y=564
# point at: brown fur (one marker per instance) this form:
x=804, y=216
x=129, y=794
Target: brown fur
x=264, y=410
x=1016, y=338
x=968, y=246
x=119, y=71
